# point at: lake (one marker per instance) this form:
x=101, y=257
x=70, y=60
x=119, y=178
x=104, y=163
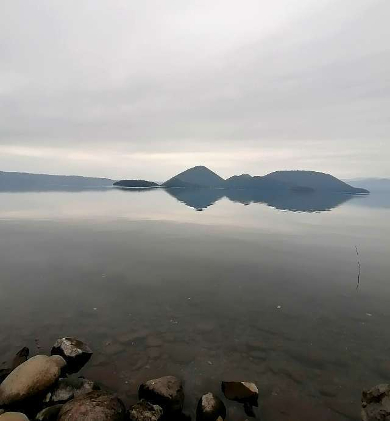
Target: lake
x=255, y=287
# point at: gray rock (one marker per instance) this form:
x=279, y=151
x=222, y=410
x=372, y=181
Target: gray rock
x=69, y=388
x=49, y=414
x=166, y=392
x=376, y=403
x=13, y=416
x=145, y=411
x=243, y=392
x=31, y=378
x=94, y=406
x=75, y=353
x=210, y=408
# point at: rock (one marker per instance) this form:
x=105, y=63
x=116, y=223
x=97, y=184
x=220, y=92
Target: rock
x=166, y=392
x=20, y=357
x=49, y=414
x=243, y=392
x=376, y=403
x=2, y=411
x=31, y=378
x=153, y=341
x=145, y=411
x=94, y=406
x=153, y=353
x=13, y=416
x=210, y=408
x=69, y=388
x=75, y=353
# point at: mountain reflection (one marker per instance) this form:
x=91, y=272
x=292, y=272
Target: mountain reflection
x=200, y=199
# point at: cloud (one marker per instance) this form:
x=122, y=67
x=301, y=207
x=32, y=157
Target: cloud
x=117, y=87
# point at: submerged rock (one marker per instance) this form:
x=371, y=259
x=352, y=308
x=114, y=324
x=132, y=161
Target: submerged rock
x=94, y=406
x=166, y=392
x=13, y=416
x=210, y=408
x=376, y=403
x=69, y=388
x=49, y=414
x=145, y=411
x=243, y=392
x=31, y=378
x=75, y=353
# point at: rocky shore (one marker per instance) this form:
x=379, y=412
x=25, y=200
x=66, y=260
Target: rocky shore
x=47, y=388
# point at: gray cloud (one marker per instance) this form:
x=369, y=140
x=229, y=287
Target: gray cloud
x=146, y=88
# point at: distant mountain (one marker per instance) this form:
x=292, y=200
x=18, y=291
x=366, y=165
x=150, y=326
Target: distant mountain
x=314, y=180
x=199, y=176
x=372, y=184
x=13, y=181
x=135, y=183
x=246, y=181
x=298, y=181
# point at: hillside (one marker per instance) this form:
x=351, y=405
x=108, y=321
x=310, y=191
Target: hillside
x=27, y=181
x=198, y=176
x=314, y=180
x=246, y=181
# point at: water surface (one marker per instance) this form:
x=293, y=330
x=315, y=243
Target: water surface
x=255, y=287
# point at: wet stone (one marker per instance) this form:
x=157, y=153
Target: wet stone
x=94, y=406
x=31, y=379
x=76, y=353
x=376, y=403
x=20, y=357
x=210, y=408
x=145, y=411
x=243, y=392
x=49, y=414
x=13, y=416
x=166, y=392
x=69, y=388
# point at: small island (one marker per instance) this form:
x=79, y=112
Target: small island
x=135, y=183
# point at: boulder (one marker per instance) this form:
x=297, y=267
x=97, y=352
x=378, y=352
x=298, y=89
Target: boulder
x=166, y=392
x=94, y=406
x=20, y=357
x=210, y=408
x=13, y=416
x=243, y=392
x=69, y=388
x=33, y=377
x=75, y=353
x=145, y=411
x=376, y=403
x=49, y=414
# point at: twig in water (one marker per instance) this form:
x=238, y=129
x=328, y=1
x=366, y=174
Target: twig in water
x=359, y=268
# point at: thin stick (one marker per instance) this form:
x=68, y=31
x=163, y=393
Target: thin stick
x=359, y=268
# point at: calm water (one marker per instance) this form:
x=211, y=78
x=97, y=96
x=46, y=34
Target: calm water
x=157, y=288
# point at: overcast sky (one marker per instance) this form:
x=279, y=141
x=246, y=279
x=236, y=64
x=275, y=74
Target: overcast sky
x=145, y=89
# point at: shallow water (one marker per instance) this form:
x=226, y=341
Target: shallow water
x=265, y=292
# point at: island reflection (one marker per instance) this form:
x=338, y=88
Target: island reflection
x=293, y=201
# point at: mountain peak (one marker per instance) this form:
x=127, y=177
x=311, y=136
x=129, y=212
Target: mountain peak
x=198, y=176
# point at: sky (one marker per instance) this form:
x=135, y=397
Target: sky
x=146, y=89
